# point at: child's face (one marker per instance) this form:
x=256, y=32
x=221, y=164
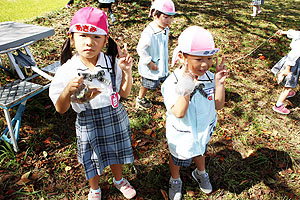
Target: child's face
x=198, y=65
x=163, y=20
x=89, y=46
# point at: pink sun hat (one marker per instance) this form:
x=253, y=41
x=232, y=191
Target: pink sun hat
x=165, y=6
x=195, y=41
x=89, y=20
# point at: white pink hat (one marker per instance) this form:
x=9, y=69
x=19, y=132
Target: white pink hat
x=89, y=20
x=165, y=6
x=195, y=41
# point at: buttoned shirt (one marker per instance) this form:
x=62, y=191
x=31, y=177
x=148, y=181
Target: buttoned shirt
x=188, y=136
x=153, y=46
x=73, y=68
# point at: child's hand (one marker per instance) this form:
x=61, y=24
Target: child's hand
x=125, y=60
x=73, y=85
x=152, y=66
x=281, y=32
x=221, y=72
x=282, y=74
x=185, y=84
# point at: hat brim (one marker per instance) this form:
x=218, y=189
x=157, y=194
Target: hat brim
x=169, y=13
x=203, y=53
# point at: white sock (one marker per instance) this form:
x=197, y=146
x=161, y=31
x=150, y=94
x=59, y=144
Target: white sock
x=254, y=10
x=175, y=179
x=95, y=191
x=200, y=172
x=118, y=182
x=279, y=103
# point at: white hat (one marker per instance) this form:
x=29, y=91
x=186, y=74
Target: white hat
x=165, y=6
x=196, y=41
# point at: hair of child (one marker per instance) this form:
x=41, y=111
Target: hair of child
x=157, y=13
x=66, y=52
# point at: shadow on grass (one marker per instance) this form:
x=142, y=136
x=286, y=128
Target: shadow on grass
x=236, y=174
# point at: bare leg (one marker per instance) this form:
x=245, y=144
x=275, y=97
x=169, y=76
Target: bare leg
x=284, y=94
x=200, y=162
x=94, y=182
x=142, y=92
x=174, y=169
x=117, y=171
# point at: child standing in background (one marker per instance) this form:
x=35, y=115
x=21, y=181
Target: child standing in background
x=287, y=70
x=256, y=7
x=153, y=50
x=192, y=94
x=92, y=83
x=106, y=6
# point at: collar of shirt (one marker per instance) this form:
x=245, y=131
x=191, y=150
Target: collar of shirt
x=156, y=29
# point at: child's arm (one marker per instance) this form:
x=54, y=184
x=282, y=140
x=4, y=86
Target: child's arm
x=181, y=106
x=125, y=63
x=64, y=100
x=145, y=58
x=184, y=88
x=220, y=76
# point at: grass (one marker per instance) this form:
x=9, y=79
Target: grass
x=254, y=153
x=18, y=10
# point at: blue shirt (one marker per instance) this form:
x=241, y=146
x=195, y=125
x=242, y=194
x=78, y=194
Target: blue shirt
x=153, y=46
x=188, y=136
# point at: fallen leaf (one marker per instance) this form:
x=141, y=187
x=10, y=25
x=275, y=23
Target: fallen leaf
x=244, y=181
x=164, y=194
x=23, y=181
x=148, y=131
x=68, y=168
x=190, y=193
x=222, y=158
x=26, y=175
x=29, y=188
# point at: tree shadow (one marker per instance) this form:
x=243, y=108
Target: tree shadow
x=236, y=174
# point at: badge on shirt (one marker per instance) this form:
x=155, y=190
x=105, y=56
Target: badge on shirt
x=114, y=100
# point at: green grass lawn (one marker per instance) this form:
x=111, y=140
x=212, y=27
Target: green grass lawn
x=20, y=10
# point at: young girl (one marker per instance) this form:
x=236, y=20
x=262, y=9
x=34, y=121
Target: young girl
x=287, y=70
x=92, y=82
x=191, y=95
x=256, y=7
x=153, y=50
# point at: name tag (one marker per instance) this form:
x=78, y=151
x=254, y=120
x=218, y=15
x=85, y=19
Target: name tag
x=114, y=100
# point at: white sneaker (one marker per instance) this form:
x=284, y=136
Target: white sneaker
x=94, y=196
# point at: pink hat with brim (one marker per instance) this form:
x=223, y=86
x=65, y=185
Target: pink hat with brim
x=89, y=20
x=195, y=41
x=165, y=6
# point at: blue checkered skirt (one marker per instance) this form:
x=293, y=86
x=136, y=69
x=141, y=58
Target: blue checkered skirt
x=103, y=139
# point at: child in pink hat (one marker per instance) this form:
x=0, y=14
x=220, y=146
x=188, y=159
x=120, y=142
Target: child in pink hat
x=153, y=50
x=192, y=94
x=92, y=82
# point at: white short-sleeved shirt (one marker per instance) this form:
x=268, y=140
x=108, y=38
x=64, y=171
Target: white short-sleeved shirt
x=72, y=67
x=294, y=54
x=188, y=136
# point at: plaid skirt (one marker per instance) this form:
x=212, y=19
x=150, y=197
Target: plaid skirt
x=292, y=79
x=103, y=139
